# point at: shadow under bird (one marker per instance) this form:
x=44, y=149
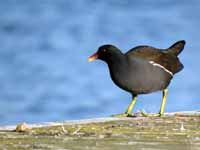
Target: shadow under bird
x=141, y=70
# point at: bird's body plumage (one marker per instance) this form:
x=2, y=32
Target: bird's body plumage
x=139, y=76
x=143, y=69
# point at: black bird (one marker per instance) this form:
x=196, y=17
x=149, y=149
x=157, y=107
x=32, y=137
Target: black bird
x=141, y=70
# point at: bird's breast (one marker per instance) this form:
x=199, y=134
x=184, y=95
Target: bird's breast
x=140, y=77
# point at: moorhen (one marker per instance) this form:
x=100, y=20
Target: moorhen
x=141, y=70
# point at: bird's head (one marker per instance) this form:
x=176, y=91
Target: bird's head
x=105, y=53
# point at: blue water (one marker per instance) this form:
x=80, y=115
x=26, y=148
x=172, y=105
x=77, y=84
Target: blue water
x=44, y=45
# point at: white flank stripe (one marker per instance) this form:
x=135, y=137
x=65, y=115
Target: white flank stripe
x=160, y=66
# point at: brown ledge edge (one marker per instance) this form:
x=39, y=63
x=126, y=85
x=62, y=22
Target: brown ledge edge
x=102, y=120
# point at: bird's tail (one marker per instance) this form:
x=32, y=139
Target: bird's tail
x=176, y=48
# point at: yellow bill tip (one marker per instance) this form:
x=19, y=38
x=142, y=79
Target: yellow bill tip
x=93, y=57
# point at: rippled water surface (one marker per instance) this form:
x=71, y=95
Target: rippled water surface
x=44, y=45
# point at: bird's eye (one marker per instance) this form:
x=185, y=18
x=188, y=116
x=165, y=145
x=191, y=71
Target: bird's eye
x=104, y=50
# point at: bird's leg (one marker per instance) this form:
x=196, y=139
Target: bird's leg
x=129, y=109
x=132, y=104
x=165, y=91
x=161, y=113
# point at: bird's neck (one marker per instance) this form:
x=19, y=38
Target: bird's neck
x=117, y=66
x=116, y=59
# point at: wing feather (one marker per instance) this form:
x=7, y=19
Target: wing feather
x=159, y=56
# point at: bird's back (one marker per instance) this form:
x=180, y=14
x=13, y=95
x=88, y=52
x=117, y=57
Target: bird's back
x=167, y=58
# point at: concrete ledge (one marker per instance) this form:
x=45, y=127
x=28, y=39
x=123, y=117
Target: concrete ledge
x=178, y=130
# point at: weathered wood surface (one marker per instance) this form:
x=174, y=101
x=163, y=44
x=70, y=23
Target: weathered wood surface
x=180, y=131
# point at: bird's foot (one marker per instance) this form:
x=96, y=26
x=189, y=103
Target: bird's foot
x=144, y=114
x=123, y=115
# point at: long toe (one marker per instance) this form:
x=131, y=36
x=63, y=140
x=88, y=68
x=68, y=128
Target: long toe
x=144, y=114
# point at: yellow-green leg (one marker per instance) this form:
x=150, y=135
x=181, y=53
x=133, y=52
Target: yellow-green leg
x=129, y=109
x=161, y=112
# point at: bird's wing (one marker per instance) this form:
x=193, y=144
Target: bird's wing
x=146, y=52
x=157, y=56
